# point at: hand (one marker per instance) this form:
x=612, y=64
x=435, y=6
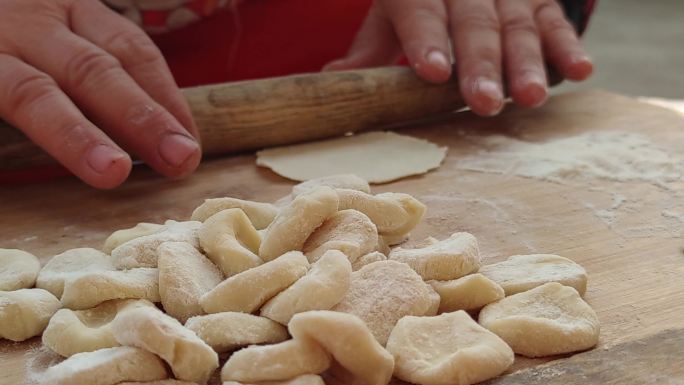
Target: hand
x=77, y=79
x=492, y=40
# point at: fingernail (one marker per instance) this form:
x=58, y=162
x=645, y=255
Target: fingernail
x=437, y=59
x=535, y=84
x=175, y=149
x=493, y=94
x=101, y=157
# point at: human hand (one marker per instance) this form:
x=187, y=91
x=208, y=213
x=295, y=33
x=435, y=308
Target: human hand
x=77, y=79
x=494, y=42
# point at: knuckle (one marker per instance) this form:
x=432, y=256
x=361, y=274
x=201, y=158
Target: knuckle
x=478, y=20
x=135, y=45
x=29, y=91
x=88, y=67
x=520, y=24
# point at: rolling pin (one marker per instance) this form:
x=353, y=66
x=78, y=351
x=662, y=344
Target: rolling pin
x=248, y=115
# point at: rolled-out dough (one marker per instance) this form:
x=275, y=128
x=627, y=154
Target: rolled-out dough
x=377, y=157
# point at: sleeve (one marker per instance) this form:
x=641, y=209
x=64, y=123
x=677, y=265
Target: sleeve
x=578, y=12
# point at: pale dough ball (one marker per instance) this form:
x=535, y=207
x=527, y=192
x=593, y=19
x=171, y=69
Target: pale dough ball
x=320, y=289
x=25, y=313
x=295, y=222
x=368, y=259
x=18, y=269
x=336, y=332
x=247, y=291
x=230, y=330
x=451, y=258
x=106, y=367
x=471, y=292
x=185, y=275
x=523, y=272
x=304, y=379
x=188, y=356
x=70, y=264
x=348, y=231
x=230, y=241
x=449, y=349
x=383, y=292
x=547, y=320
x=260, y=214
x=91, y=289
x=122, y=236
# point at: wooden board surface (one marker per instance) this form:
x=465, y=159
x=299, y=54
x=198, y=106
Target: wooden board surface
x=634, y=256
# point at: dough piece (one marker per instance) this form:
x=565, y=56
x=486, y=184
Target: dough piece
x=295, y=222
x=304, y=379
x=185, y=275
x=547, y=320
x=70, y=332
x=377, y=157
x=260, y=214
x=471, y=292
x=142, y=251
x=18, y=269
x=120, y=237
x=449, y=259
x=277, y=362
x=348, y=231
x=320, y=289
x=247, y=291
x=368, y=259
x=160, y=382
x=230, y=241
x=524, y=272
x=25, y=313
x=347, y=181
x=188, y=356
x=230, y=330
x=71, y=264
x=336, y=332
x=447, y=349
x=106, y=367
x=383, y=292
x=91, y=289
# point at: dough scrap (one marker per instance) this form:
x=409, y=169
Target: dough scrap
x=304, y=379
x=122, y=236
x=230, y=241
x=383, y=292
x=18, y=269
x=524, y=272
x=188, y=356
x=394, y=214
x=348, y=231
x=321, y=288
x=260, y=214
x=71, y=264
x=471, y=292
x=106, y=367
x=247, y=291
x=346, y=181
x=447, y=349
x=91, y=289
x=547, y=320
x=445, y=260
x=368, y=259
x=377, y=157
x=185, y=275
x=230, y=330
x=25, y=313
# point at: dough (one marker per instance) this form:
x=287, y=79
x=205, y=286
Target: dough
x=447, y=349
x=230, y=330
x=347, y=181
x=377, y=157
x=120, y=237
x=547, y=320
x=523, y=272
x=71, y=264
x=106, y=367
x=368, y=259
x=348, y=231
x=188, y=356
x=260, y=214
x=160, y=382
x=230, y=241
x=320, y=289
x=471, y=292
x=295, y=222
x=277, y=362
x=304, y=379
x=25, y=313
x=18, y=269
x=449, y=259
x=185, y=275
x=336, y=332
x=383, y=292
x=142, y=251
x=91, y=289
x=247, y=291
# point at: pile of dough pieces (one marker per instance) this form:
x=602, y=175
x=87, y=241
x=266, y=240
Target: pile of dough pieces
x=313, y=288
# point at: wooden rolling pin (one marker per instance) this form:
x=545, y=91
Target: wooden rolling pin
x=249, y=115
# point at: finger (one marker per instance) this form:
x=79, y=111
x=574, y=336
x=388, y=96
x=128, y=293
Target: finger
x=32, y=101
x=561, y=44
x=523, y=60
x=477, y=49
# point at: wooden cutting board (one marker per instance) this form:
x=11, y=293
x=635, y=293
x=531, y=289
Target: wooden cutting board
x=635, y=260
